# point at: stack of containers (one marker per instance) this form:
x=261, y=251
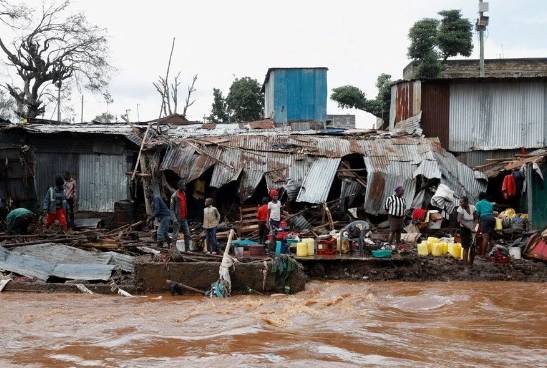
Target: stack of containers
x=305, y=248
x=310, y=242
x=440, y=247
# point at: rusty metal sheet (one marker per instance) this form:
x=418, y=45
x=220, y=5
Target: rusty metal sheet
x=179, y=159
x=435, y=110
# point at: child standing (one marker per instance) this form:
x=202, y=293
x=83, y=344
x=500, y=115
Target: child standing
x=274, y=211
x=54, y=204
x=262, y=217
x=211, y=219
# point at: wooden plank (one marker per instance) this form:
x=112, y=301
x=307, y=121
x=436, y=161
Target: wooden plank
x=248, y=210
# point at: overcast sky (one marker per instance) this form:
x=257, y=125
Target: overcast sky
x=221, y=40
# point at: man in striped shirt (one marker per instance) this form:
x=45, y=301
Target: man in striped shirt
x=395, y=207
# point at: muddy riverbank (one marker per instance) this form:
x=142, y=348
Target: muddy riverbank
x=151, y=278
x=331, y=324
x=425, y=269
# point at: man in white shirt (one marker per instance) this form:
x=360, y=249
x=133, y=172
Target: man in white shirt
x=274, y=210
x=395, y=207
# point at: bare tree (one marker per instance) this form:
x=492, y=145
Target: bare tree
x=169, y=92
x=55, y=50
x=191, y=90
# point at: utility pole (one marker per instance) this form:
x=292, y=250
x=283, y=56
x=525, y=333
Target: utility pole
x=138, y=117
x=82, y=113
x=480, y=26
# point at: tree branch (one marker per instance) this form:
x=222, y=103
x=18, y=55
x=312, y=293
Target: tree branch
x=191, y=90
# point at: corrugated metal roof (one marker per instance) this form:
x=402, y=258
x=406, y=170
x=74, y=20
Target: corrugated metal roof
x=460, y=178
x=428, y=169
x=305, y=160
x=128, y=131
x=316, y=185
x=497, y=115
x=411, y=125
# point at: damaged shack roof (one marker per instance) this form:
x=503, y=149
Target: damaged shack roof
x=309, y=161
x=501, y=166
x=130, y=131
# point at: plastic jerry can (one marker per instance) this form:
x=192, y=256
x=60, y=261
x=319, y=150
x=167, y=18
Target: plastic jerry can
x=437, y=249
x=499, y=224
x=423, y=249
x=444, y=248
x=301, y=249
x=458, y=251
x=311, y=246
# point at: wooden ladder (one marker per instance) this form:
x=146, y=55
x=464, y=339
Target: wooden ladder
x=248, y=223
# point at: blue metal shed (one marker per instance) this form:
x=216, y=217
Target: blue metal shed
x=295, y=94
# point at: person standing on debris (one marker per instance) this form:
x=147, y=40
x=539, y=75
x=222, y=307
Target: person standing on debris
x=485, y=212
x=274, y=211
x=162, y=214
x=395, y=207
x=55, y=203
x=211, y=219
x=179, y=211
x=70, y=195
x=262, y=217
x=18, y=221
x=467, y=220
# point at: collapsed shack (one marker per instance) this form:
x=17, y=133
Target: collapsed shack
x=352, y=169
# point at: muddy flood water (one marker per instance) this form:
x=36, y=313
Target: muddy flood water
x=331, y=324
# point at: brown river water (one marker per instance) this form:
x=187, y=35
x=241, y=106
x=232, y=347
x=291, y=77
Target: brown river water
x=331, y=324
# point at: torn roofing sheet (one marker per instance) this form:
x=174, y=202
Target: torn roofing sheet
x=54, y=252
x=48, y=259
x=316, y=185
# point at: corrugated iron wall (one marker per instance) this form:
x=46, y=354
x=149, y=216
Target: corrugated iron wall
x=435, y=110
x=49, y=166
x=406, y=100
x=103, y=181
x=497, y=115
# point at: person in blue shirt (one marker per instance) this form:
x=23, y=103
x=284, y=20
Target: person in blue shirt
x=487, y=222
x=161, y=212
